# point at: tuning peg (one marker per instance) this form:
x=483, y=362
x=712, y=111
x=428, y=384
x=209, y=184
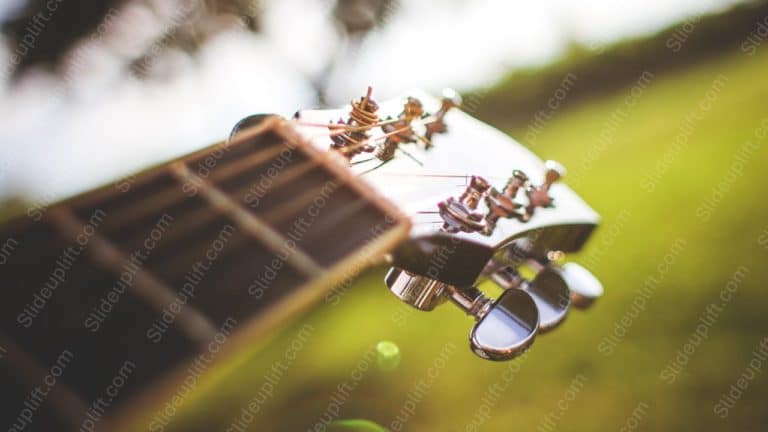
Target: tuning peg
x=502, y=204
x=538, y=196
x=451, y=99
x=474, y=192
x=505, y=327
x=515, y=183
x=458, y=213
x=418, y=291
x=457, y=217
x=585, y=287
x=412, y=109
x=548, y=290
x=555, y=171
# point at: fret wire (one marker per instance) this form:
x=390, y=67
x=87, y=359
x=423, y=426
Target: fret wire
x=190, y=321
x=64, y=401
x=166, y=199
x=297, y=203
x=348, y=209
x=292, y=173
x=338, y=166
x=245, y=163
x=256, y=227
x=204, y=215
x=154, y=204
x=92, y=198
x=198, y=218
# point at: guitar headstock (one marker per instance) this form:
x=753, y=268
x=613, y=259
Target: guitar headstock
x=482, y=207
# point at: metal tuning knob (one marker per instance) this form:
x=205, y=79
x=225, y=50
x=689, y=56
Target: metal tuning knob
x=585, y=287
x=418, y=291
x=549, y=291
x=505, y=327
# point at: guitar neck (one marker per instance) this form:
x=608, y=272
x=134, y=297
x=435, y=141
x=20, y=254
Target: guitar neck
x=147, y=278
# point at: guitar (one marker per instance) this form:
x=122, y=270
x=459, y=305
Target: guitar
x=114, y=300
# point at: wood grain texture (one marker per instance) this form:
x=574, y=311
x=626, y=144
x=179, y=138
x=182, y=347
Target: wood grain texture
x=225, y=244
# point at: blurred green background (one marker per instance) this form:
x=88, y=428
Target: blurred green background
x=564, y=382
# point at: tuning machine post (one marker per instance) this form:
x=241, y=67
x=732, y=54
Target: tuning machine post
x=459, y=214
x=502, y=204
x=420, y=292
x=451, y=99
x=538, y=196
x=505, y=327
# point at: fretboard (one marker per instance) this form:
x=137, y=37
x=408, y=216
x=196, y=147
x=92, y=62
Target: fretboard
x=138, y=280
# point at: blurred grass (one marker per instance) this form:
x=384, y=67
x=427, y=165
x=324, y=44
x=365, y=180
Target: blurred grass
x=598, y=71
x=615, y=384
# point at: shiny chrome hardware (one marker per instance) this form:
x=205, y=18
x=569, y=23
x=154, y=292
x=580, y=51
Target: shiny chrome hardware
x=466, y=236
x=585, y=287
x=474, y=192
x=505, y=327
x=516, y=182
x=418, y=291
x=502, y=204
x=548, y=290
x=458, y=214
x=458, y=217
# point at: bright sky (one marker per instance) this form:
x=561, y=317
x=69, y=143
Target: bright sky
x=54, y=144
x=459, y=43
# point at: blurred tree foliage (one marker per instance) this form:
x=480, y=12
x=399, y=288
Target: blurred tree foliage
x=72, y=21
x=358, y=17
x=60, y=30
x=599, y=71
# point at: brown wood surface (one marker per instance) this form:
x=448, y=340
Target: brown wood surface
x=183, y=210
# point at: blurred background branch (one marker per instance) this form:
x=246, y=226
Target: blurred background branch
x=165, y=27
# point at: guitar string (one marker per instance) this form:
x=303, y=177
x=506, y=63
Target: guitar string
x=349, y=128
x=264, y=155
x=345, y=128
x=291, y=173
x=369, y=140
x=171, y=197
